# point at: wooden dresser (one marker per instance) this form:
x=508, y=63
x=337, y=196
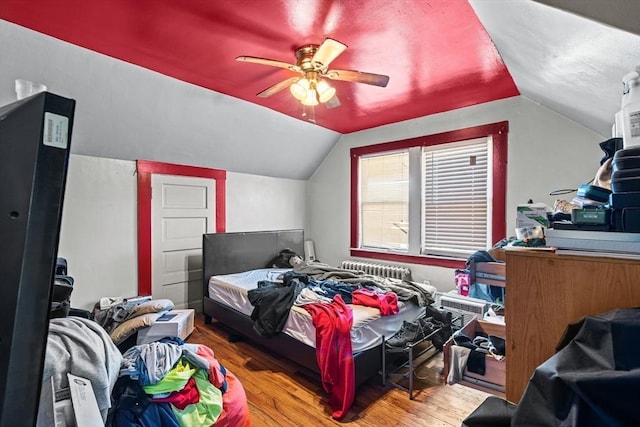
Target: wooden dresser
x=545, y=292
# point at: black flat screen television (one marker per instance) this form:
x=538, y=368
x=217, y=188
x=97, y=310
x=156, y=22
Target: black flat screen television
x=35, y=135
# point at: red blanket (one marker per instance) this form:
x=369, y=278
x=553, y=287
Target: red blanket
x=333, y=351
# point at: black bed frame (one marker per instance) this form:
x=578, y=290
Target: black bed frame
x=226, y=253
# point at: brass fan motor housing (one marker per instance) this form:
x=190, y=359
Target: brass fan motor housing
x=304, y=59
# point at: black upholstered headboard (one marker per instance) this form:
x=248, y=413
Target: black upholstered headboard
x=225, y=253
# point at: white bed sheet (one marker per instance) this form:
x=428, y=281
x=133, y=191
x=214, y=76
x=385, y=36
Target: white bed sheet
x=368, y=325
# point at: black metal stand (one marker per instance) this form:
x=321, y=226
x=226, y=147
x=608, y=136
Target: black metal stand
x=408, y=368
x=412, y=352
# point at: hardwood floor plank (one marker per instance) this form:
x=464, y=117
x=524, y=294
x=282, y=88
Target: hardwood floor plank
x=281, y=393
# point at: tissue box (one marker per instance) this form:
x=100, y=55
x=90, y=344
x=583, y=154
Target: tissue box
x=532, y=215
x=174, y=323
x=75, y=405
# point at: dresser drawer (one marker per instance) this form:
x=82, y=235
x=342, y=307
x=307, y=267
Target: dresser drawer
x=491, y=328
x=494, y=379
x=495, y=372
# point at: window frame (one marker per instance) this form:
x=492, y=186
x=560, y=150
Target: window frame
x=498, y=133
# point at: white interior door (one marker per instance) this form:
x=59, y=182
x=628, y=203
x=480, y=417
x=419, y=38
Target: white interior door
x=183, y=209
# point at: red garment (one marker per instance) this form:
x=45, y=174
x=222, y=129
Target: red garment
x=216, y=377
x=387, y=302
x=235, y=411
x=182, y=398
x=333, y=351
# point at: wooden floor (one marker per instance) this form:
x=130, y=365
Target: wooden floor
x=280, y=393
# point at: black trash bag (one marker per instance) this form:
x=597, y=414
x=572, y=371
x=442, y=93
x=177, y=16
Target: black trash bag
x=592, y=381
x=609, y=147
x=493, y=412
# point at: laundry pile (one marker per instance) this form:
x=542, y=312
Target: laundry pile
x=79, y=346
x=169, y=383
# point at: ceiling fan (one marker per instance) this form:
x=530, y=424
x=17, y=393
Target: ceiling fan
x=312, y=62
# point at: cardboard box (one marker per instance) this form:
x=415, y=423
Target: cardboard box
x=532, y=215
x=174, y=323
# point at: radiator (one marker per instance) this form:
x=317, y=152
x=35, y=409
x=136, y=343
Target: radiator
x=454, y=302
x=376, y=269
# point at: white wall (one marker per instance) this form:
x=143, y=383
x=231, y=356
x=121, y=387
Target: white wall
x=99, y=234
x=546, y=152
x=258, y=203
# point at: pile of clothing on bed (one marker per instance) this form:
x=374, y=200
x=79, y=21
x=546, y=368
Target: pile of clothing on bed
x=315, y=282
x=172, y=383
x=325, y=292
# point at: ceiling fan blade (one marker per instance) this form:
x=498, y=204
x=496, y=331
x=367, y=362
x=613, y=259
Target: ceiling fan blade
x=327, y=52
x=278, y=87
x=358, y=77
x=270, y=62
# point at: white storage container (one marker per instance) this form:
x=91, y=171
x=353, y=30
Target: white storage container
x=631, y=109
x=174, y=323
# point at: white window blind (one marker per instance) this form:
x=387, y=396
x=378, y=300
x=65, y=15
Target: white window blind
x=456, y=198
x=384, y=201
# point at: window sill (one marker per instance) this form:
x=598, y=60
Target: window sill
x=409, y=258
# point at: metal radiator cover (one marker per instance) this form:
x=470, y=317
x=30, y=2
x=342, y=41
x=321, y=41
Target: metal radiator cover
x=378, y=269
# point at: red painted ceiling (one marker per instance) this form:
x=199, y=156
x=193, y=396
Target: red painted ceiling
x=436, y=53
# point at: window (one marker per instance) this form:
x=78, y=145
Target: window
x=431, y=200
x=455, y=198
x=384, y=206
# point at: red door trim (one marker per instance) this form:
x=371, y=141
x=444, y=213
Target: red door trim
x=144, y=169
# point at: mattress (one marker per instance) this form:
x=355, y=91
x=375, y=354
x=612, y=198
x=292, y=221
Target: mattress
x=368, y=325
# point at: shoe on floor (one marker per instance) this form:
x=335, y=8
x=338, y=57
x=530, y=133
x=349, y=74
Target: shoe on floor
x=443, y=333
x=437, y=331
x=408, y=333
x=429, y=325
x=443, y=316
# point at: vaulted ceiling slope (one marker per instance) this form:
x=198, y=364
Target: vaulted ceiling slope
x=159, y=77
x=563, y=60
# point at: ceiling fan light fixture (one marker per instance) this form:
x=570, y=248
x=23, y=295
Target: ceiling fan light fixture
x=311, y=99
x=325, y=91
x=312, y=63
x=300, y=89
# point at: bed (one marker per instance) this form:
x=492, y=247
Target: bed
x=232, y=264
